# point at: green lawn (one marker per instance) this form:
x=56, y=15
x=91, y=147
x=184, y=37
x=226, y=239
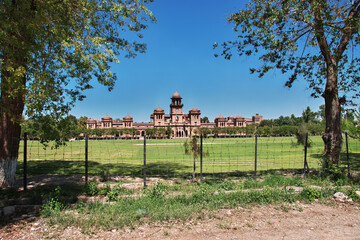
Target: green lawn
x=166, y=157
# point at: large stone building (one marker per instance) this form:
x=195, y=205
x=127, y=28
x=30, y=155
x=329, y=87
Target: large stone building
x=182, y=124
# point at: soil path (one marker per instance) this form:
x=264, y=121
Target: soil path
x=296, y=221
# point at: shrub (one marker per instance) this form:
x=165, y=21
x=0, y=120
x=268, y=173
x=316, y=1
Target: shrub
x=91, y=188
x=310, y=193
x=53, y=204
x=156, y=191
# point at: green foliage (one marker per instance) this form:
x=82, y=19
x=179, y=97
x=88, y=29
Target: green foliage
x=352, y=125
x=227, y=186
x=91, y=188
x=291, y=35
x=301, y=135
x=114, y=193
x=310, y=193
x=192, y=202
x=205, y=120
x=193, y=148
x=203, y=194
x=54, y=203
x=351, y=193
x=158, y=190
x=47, y=129
x=63, y=46
x=159, y=132
x=105, y=175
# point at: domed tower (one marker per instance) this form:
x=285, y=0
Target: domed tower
x=220, y=121
x=106, y=122
x=128, y=121
x=176, y=112
x=194, y=115
x=159, y=118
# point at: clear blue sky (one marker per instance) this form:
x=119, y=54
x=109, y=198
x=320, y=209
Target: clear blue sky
x=180, y=57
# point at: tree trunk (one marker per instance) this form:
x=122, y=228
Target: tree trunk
x=332, y=137
x=193, y=175
x=12, y=102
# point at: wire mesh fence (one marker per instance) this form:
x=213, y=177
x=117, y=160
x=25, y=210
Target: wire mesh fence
x=167, y=158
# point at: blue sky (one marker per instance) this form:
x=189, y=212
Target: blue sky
x=180, y=57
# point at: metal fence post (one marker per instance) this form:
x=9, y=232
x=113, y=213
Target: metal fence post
x=255, y=170
x=86, y=156
x=201, y=157
x=347, y=154
x=25, y=161
x=306, y=166
x=145, y=161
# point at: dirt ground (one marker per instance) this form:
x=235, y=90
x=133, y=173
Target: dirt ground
x=295, y=221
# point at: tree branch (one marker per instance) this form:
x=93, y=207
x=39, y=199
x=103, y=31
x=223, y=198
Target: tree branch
x=320, y=32
x=349, y=29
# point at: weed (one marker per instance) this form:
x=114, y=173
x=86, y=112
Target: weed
x=91, y=188
x=156, y=191
x=105, y=175
x=53, y=204
x=114, y=193
x=285, y=208
x=310, y=193
x=224, y=226
x=227, y=186
x=352, y=194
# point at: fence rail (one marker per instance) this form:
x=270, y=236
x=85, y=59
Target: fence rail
x=232, y=156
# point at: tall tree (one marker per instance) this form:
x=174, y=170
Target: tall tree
x=308, y=116
x=50, y=50
x=313, y=39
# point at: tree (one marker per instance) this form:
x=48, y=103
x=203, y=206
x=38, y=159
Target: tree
x=308, y=116
x=315, y=39
x=169, y=132
x=50, y=51
x=82, y=122
x=205, y=120
x=193, y=148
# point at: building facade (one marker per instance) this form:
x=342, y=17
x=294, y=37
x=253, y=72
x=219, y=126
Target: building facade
x=182, y=124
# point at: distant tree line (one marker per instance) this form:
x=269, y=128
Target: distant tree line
x=47, y=129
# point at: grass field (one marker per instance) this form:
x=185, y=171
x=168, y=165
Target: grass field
x=167, y=158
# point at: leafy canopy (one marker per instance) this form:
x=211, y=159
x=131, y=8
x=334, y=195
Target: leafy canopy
x=59, y=46
x=301, y=38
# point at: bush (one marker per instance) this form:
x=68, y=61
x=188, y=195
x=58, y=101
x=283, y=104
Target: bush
x=53, y=204
x=310, y=194
x=91, y=188
x=156, y=191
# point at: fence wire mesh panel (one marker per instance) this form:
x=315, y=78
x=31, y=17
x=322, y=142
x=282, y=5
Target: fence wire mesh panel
x=226, y=156
x=167, y=158
x=353, y=156
x=51, y=158
x=111, y=156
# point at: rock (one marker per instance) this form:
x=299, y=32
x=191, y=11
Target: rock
x=358, y=193
x=23, y=201
x=340, y=197
x=8, y=210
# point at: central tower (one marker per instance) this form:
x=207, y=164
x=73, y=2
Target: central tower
x=176, y=113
